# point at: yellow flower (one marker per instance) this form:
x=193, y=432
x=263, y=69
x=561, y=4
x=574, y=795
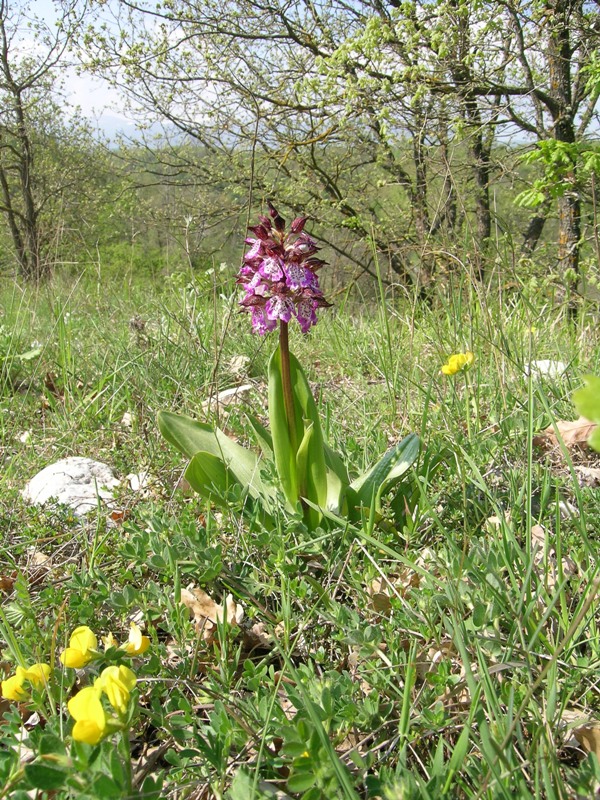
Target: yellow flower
x=89, y=715
x=38, y=674
x=83, y=646
x=12, y=688
x=137, y=643
x=458, y=362
x=109, y=641
x=117, y=683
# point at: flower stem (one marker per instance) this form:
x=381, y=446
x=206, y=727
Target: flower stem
x=126, y=753
x=288, y=397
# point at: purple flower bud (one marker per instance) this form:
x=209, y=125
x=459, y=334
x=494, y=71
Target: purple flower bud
x=278, y=220
x=260, y=231
x=298, y=224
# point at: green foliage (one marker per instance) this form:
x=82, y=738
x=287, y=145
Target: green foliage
x=587, y=403
x=431, y=650
x=310, y=475
x=13, y=357
x=561, y=162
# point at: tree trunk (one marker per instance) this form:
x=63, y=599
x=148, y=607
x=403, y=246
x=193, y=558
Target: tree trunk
x=534, y=230
x=569, y=204
x=37, y=269
x=13, y=226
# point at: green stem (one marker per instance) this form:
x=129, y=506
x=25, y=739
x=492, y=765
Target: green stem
x=126, y=751
x=468, y=408
x=286, y=380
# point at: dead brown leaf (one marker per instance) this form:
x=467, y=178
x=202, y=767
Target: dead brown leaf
x=7, y=582
x=588, y=737
x=39, y=565
x=586, y=731
x=428, y=659
x=382, y=589
x=588, y=476
x=545, y=561
x=207, y=614
x=573, y=434
x=51, y=385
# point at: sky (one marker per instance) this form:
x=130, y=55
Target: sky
x=98, y=101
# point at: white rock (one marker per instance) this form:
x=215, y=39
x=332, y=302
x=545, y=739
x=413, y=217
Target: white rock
x=567, y=510
x=227, y=397
x=76, y=482
x=545, y=368
x=138, y=480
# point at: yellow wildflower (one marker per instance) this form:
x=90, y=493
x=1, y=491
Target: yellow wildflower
x=458, y=362
x=89, y=715
x=137, y=643
x=83, y=646
x=109, y=641
x=117, y=683
x=38, y=675
x=12, y=688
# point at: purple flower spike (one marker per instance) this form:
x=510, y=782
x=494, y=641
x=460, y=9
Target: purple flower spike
x=279, y=274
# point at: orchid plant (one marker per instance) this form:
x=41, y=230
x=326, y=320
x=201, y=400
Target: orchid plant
x=280, y=281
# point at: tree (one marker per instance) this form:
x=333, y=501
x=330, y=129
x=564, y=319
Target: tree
x=30, y=123
x=349, y=108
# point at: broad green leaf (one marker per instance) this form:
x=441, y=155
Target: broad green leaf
x=388, y=471
x=263, y=437
x=285, y=457
x=190, y=437
x=587, y=403
x=309, y=491
x=208, y=475
x=337, y=473
x=310, y=480
x=212, y=479
x=30, y=354
x=336, y=492
x=303, y=451
x=313, y=476
x=335, y=463
x=301, y=781
x=43, y=776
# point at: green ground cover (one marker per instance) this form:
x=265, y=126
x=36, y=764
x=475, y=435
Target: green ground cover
x=449, y=648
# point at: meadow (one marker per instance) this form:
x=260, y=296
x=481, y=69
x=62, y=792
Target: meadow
x=445, y=645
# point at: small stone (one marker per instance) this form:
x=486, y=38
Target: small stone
x=238, y=365
x=567, y=510
x=545, y=369
x=76, y=482
x=138, y=480
x=227, y=397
